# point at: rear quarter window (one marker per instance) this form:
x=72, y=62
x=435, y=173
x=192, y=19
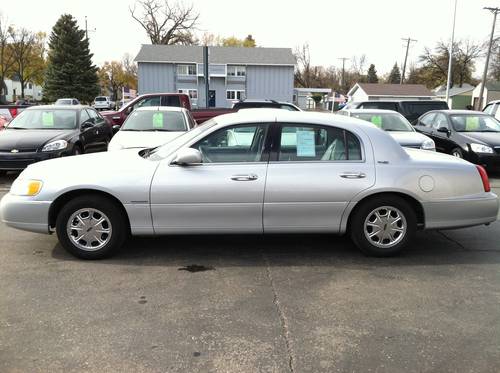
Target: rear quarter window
x=417, y=109
x=171, y=101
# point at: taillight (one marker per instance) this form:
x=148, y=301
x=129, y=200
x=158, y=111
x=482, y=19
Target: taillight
x=484, y=178
x=13, y=112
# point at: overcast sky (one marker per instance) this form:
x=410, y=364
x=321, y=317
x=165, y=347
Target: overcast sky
x=332, y=28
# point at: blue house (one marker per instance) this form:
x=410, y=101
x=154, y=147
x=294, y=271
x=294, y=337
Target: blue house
x=234, y=73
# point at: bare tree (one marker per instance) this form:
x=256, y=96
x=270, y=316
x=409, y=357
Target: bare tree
x=303, y=70
x=6, y=57
x=23, y=44
x=166, y=22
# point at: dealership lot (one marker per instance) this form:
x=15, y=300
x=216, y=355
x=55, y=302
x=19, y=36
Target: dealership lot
x=275, y=303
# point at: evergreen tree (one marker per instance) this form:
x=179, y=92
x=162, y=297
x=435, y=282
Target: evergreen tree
x=372, y=74
x=395, y=75
x=70, y=71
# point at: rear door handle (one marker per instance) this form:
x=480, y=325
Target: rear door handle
x=246, y=177
x=353, y=175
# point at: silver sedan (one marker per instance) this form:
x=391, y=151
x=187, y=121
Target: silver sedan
x=256, y=171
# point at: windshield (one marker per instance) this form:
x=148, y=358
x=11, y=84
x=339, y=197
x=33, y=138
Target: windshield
x=386, y=121
x=474, y=123
x=100, y=99
x=157, y=120
x=165, y=150
x=44, y=119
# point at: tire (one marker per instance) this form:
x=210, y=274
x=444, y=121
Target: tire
x=77, y=150
x=80, y=213
x=363, y=222
x=457, y=152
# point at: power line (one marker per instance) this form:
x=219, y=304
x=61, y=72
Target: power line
x=408, y=41
x=495, y=11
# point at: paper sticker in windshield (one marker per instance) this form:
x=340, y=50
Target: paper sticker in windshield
x=158, y=120
x=48, y=119
x=377, y=120
x=471, y=123
x=305, y=144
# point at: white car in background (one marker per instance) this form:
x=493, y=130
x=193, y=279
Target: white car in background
x=395, y=124
x=103, y=103
x=148, y=127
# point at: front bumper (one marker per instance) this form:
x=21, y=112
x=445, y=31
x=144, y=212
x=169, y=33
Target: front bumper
x=21, y=160
x=463, y=212
x=25, y=213
x=491, y=162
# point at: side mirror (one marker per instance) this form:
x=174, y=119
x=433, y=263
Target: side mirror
x=444, y=130
x=115, y=128
x=87, y=125
x=188, y=156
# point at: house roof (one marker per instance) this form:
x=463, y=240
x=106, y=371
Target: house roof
x=454, y=91
x=223, y=55
x=382, y=89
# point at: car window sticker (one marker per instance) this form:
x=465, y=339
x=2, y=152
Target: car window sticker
x=471, y=123
x=48, y=119
x=305, y=143
x=376, y=120
x=158, y=120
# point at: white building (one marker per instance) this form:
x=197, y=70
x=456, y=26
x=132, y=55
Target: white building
x=491, y=92
x=12, y=90
x=302, y=97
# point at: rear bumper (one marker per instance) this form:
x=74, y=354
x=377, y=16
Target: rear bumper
x=464, y=212
x=25, y=214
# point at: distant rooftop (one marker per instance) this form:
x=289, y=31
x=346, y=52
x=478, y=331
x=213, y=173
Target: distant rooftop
x=382, y=89
x=222, y=55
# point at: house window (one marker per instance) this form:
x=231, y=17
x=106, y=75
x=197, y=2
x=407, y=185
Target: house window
x=235, y=95
x=236, y=70
x=192, y=93
x=186, y=69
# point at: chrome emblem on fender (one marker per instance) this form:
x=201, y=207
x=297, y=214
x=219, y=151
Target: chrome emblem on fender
x=14, y=151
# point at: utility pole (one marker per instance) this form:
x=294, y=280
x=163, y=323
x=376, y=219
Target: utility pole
x=343, y=73
x=450, y=54
x=408, y=41
x=485, y=72
x=87, y=30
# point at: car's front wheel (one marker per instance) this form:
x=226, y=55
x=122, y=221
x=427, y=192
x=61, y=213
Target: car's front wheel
x=382, y=226
x=91, y=227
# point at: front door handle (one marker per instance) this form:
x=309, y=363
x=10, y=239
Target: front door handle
x=246, y=177
x=353, y=175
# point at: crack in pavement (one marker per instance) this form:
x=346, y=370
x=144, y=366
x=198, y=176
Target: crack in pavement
x=281, y=315
x=459, y=244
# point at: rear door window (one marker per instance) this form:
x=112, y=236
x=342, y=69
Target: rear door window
x=380, y=105
x=170, y=101
x=317, y=143
x=427, y=119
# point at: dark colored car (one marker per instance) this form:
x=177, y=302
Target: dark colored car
x=411, y=110
x=272, y=104
x=44, y=132
x=472, y=135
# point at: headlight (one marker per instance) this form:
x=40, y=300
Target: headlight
x=479, y=148
x=428, y=145
x=55, y=145
x=26, y=187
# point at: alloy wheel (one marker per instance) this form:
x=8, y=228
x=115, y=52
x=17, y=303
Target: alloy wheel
x=89, y=229
x=385, y=226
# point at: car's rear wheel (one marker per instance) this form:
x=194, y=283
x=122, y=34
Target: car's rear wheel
x=382, y=226
x=77, y=150
x=91, y=227
x=457, y=152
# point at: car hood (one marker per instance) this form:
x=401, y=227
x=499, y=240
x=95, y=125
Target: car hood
x=488, y=138
x=141, y=139
x=125, y=175
x=30, y=139
x=408, y=138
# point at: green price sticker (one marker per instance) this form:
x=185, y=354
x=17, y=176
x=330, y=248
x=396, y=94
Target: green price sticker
x=377, y=120
x=48, y=119
x=158, y=120
x=471, y=123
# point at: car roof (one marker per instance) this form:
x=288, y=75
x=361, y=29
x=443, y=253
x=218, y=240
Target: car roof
x=67, y=98
x=375, y=111
x=461, y=112
x=58, y=107
x=161, y=108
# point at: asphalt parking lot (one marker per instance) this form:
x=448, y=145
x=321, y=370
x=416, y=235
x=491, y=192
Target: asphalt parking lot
x=251, y=304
